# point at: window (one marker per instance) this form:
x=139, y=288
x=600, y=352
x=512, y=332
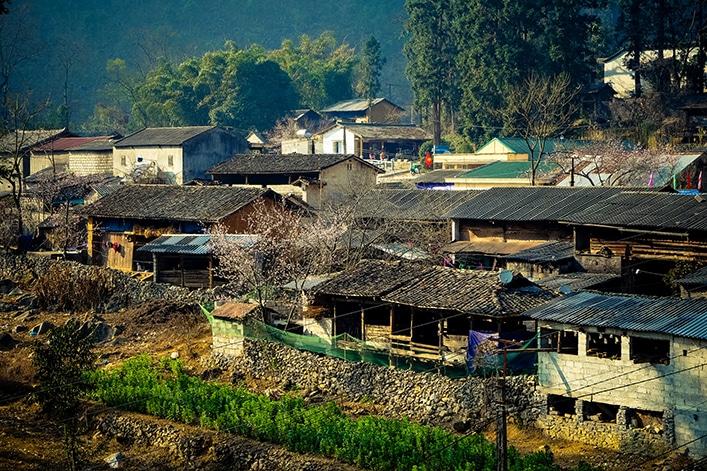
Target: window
x=170, y=160
x=560, y=405
x=600, y=412
x=604, y=345
x=337, y=147
x=562, y=341
x=646, y=419
x=349, y=166
x=645, y=350
x=123, y=161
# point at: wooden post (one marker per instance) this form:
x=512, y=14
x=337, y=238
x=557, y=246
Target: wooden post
x=155, y=268
x=501, y=435
x=211, y=271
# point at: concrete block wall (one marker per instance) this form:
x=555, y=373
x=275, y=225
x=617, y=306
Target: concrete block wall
x=227, y=337
x=677, y=392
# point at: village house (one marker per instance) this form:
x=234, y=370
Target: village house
x=642, y=235
x=174, y=155
x=55, y=153
x=127, y=219
x=361, y=110
x=93, y=158
x=374, y=141
x=187, y=259
x=419, y=310
x=317, y=179
x=504, y=221
x=624, y=372
x=19, y=144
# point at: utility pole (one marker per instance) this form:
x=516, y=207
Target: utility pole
x=501, y=435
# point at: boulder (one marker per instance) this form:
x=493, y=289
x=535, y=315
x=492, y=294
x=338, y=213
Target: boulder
x=6, y=341
x=41, y=328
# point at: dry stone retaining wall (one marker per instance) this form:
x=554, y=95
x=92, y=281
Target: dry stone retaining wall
x=422, y=397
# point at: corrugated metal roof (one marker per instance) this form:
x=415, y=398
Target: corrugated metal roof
x=191, y=244
x=411, y=205
x=508, y=170
x=355, y=104
x=680, y=317
x=547, y=252
x=66, y=143
x=646, y=210
x=535, y=203
x=162, y=136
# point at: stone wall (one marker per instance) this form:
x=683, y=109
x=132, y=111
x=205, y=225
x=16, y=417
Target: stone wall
x=427, y=398
x=672, y=391
x=617, y=435
x=196, y=449
x=123, y=290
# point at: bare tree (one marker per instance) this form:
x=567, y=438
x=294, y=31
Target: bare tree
x=540, y=109
x=615, y=163
x=18, y=44
x=280, y=249
x=17, y=135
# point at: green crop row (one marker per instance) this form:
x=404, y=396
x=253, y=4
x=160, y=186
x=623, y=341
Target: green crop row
x=165, y=390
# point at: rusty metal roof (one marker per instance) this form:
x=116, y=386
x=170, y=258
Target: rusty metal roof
x=681, y=317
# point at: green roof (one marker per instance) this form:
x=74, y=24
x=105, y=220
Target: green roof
x=507, y=170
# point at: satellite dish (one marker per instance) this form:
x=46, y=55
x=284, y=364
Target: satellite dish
x=506, y=276
x=564, y=289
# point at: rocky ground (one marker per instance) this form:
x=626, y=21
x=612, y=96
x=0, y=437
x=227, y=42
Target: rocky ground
x=160, y=327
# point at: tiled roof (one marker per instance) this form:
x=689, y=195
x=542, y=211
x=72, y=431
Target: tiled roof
x=174, y=202
x=434, y=287
x=668, y=211
x=387, y=131
x=162, y=136
x=534, y=203
x=488, y=247
x=697, y=277
x=417, y=205
x=681, y=317
x=254, y=164
x=547, y=252
x=576, y=281
x=190, y=244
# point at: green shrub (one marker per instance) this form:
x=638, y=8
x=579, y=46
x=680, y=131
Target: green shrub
x=165, y=390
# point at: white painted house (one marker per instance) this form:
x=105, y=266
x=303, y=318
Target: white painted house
x=625, y=372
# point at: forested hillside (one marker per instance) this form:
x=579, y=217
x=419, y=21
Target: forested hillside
x=67, y=44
